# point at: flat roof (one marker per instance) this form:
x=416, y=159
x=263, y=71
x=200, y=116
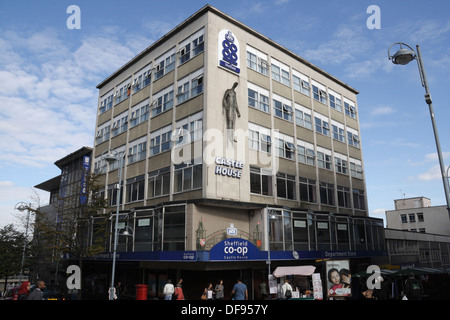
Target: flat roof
x=50, y=184
x=195, y=16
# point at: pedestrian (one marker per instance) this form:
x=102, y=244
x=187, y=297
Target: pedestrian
x=286, y=290
x=37, y=294
x=413, y=288
x=240, y=291
x=209, y=292
x=168, y=290
x=178, y=294
x=219, y=290
x=24, y=291
x=263, y=290
x=119, y=290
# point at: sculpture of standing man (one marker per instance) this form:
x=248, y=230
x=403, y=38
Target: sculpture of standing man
x=229, y=103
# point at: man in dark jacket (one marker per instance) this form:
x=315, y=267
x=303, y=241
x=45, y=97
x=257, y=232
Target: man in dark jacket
x=36, y=294
x=413, y=288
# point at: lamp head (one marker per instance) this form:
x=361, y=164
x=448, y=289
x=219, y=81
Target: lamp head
x=403, y=56
x=110, y=158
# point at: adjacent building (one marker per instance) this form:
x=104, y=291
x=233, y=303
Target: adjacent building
x=233, y=147
x=417, y=214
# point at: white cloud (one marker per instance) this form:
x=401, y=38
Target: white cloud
x=434, y=173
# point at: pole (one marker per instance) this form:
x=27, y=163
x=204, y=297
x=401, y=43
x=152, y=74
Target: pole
x=116, y=232
x=25, y=243
x=433, y=122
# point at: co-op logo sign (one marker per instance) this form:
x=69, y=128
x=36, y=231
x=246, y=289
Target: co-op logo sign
x=229, y=51
x=234, y=249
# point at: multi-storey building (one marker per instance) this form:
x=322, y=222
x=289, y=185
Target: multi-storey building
x=227, y=134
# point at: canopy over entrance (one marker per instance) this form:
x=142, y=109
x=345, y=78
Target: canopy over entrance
x=297, y=270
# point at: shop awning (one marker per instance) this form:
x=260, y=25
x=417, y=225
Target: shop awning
x=297, y=270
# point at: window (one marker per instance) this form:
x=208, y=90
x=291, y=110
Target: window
x=343, y=194
x=350, y=109
x=112, y=194
x=322, y=125
x=123, y=91
x=142, y=78
x=257, y=61
x=286, y=186
x=403, y=218
x=259, y=138
x=164, y=64
x=280, y=72
x=420, y=217
x=303, y=117
x=319, y=92
x=335, y=100
x=159, y=182
x=190, y=86
x=261, y=181
x=353, y=138
x=284, y=146
x=412, y=217
x=164, y=101
x=139, y=113
x=137, y=150
x=258, y=98
x=192, y=46
x=120, y=124
x=359, y=199
x=356, y=170
x=300, y=82
x=305, y=153
x=189, y=129
x=135, y=189
x=160, y=140
x=187, y=177
x=338, y=131
x=282, y=108
x=174, y=228
x=324, y=158
x=307, y=190
x=103, y=132
x=106, y=102
x=326, y=193
x=341, y=163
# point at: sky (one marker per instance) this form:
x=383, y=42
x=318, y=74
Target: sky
x=49, y=73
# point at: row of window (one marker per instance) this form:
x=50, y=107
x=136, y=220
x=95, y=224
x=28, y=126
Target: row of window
x=258, y=98
x=188, y=49
x=309, y=190
x=260, y=139
x=411, y=217
x=190, y=87
x=186, y=178
x=258, y=61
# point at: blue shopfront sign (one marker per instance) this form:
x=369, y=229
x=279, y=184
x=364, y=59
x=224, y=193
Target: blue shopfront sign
x=236, y=249
x=229, y=51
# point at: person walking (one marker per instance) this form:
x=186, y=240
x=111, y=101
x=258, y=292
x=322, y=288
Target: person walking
x=168, y=290
x=219, y=290
x=24, y=291
x=240, y=291
x=286, y=290
x=37, y=294
x=413, y=288
x=209, y=292
x=178, y=294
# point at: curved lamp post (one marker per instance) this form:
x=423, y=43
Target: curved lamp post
x=22, y=206
x=112, y=157
x=403, y=56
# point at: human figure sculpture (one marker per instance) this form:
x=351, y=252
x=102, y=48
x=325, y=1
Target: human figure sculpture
x=229, y=103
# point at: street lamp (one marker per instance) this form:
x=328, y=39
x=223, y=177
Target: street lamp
x=404, y=56
x=111, y=158
x=22, y=206
x=271, y=216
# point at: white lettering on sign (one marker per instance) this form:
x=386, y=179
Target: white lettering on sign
x=228, y=167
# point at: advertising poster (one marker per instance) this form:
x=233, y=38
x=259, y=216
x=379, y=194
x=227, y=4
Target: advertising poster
x=338, y=278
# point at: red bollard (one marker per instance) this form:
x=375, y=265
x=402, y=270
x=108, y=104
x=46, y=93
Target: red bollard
x=141, y=291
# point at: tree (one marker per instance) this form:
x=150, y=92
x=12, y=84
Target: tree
x=11, y=249
x=67, y=231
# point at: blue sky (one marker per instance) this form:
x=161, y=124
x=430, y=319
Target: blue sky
x=49, y=73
